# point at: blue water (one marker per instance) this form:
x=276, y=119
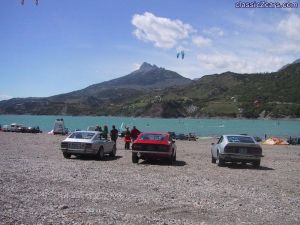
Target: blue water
x=202, y=127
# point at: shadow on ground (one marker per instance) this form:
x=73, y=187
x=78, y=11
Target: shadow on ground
x=163, y=163
x=106, y=158
x=247, y=166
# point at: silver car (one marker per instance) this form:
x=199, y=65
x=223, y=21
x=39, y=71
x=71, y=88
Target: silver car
x=87, y=143
x=236, y=148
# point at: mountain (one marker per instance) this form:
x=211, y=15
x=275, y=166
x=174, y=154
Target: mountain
x=156, y=92
x=285, y=66
x=98, y=99
x=226, y=95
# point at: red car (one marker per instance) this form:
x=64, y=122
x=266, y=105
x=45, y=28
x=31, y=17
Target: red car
x=154, y=145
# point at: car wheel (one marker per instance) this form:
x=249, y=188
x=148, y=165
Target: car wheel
x=213, y=160
x=256, y=164
x=135, y=158
x=113, y=152
x=66, y=155
x=220, y=161
x=100, y=154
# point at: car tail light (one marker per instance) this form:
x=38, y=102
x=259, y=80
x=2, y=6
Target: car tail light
x=88, y=146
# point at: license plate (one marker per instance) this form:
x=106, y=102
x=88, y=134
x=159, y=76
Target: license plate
x=75, y=145
x=243, y=150
x=151, y=148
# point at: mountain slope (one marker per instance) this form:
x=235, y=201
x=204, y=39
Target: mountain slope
x=156, y=92
x=229, y=94
x=285, y=66
x=98, y=99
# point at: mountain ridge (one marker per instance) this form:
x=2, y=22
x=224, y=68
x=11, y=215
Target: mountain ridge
x=149, y=92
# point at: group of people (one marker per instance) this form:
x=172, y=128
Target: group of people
x=104, y=132
x=130, y=135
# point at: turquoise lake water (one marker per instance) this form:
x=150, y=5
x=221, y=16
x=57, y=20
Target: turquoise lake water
x=202, y=127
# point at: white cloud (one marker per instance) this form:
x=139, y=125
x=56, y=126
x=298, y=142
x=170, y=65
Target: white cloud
x=291, y=26
x=163, y=32
x=220, y=62
x=201, y=41
x=5, y=97
x=214, y=31
x=286, y=48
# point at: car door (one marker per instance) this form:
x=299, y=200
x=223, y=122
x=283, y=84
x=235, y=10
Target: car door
x=97, y=142
x=107, y=145
x=216, y=146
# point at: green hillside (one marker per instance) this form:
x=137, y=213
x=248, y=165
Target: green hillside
x=156, y=92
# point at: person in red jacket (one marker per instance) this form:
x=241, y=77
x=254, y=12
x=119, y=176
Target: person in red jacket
x=134, y=133
x=127, y=138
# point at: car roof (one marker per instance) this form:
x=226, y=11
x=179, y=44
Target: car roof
x=237, y=135
x=86, y=131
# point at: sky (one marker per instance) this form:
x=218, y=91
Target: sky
x=60, y=46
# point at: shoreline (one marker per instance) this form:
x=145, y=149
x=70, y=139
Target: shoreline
x=120, y=116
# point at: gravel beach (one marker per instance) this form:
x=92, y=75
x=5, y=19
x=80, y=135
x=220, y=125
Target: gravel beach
x=39, y=186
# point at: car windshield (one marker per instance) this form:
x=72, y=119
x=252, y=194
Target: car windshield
x=240, y=139
x=156, y=137
x=82, y=135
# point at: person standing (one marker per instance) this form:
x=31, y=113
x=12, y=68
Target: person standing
x=114, y=134
x=134, y=133
x=127, y=138
x=105, y=132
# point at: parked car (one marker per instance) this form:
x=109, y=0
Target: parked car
x=154, y=145
x=6, y=128
x=22, y=129
x=181, y=137
x=192, y=137
x=34, y=130
x=87, y=143
x=236, y=148
x=294, y=141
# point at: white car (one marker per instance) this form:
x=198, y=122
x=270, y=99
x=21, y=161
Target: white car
x=87, y=143
x=236, y=148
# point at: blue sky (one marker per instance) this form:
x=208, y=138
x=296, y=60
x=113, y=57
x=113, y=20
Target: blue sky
x=62, y=46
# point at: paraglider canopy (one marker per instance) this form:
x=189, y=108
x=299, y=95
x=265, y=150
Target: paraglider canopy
x=36, y=2
x=180, y=54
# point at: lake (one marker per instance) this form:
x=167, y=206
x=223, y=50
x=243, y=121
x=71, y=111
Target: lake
x=202, y=127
